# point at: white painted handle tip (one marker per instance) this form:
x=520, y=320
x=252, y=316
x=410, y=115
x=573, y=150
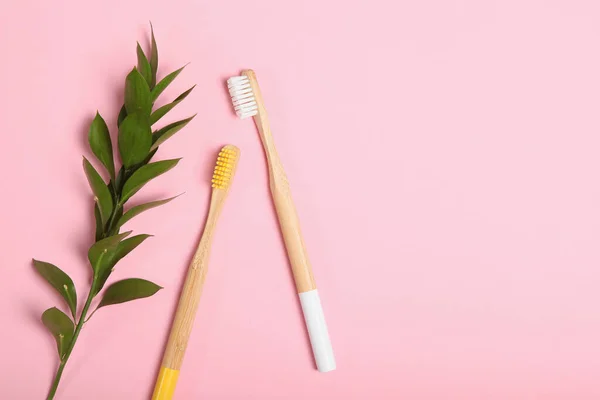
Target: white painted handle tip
x=317, y=330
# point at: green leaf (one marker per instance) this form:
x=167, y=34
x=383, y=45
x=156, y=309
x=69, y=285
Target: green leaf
x=117, y=214
x=135, y=139
x=158, y=114
x=102, y=195
x=111, y=189
x=99, y=225
x=161, y=135
x=59, y=281
x=122, y=115
x=122, y=249
x=137, y=94
x=101, y=251
x=144, y=175
x=147, y=159
x=127, y=290
x=162, y=85
x=153, y=58
x=127, y=245
x=119, y=179
x=133, y=211
x=101, y=145
x=144, y=65
x=61, y=327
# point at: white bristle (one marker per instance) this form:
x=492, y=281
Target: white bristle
x=242, y=96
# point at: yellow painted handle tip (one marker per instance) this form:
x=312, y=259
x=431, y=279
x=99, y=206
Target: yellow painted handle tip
x=165, y=384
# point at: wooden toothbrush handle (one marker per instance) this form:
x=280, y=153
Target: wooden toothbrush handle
x=184, y=319
x=290, y=230
x=280, y=190
x=188, y=304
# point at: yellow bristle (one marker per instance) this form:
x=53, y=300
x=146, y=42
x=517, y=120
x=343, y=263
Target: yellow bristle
x=225, y=167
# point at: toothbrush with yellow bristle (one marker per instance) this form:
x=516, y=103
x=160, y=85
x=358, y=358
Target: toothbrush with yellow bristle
x=192, y=289
x=248, y=102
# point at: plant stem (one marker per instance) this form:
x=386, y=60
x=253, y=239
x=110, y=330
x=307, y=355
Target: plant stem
x=59, y=372
x=64, y=360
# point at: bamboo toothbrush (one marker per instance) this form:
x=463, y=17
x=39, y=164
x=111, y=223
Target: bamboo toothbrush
x=248, y=102
x=192, y=289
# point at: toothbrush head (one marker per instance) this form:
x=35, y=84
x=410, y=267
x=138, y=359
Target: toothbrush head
x=242, y=95
x=225, y=167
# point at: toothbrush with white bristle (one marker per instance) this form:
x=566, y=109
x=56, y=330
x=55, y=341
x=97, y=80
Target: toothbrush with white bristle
x=248, y=102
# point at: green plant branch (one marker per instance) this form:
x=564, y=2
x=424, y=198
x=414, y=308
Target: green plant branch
x=80, y=323
x=108, y=230
x=137, y=144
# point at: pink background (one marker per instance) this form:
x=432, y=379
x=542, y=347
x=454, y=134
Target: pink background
x=444, y=161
